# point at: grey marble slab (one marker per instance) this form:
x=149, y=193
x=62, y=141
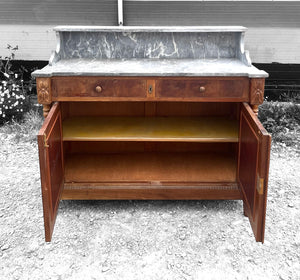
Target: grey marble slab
x=150, y=67
x=117, y=45
x=150, y=51
x=79, y=28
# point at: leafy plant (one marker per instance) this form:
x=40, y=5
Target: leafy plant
x=282, y=120
x=14, y=99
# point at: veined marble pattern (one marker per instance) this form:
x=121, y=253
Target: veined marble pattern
x=150, y=67
x=150, y=51
x=163, y=45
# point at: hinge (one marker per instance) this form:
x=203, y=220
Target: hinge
x=45, y=141
x=260, y=185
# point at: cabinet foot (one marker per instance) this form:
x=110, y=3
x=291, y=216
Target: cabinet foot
x=255, y=109
x=46, y=109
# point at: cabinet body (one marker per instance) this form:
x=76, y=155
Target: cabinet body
x=153, y=138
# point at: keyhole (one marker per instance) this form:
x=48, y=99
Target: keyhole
x=150, y=89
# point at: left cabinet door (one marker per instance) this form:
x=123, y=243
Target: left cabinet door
x=51, y=166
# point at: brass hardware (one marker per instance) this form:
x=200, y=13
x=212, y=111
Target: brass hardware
x=45, y=141
x=201, y=89
x=150, y=89
x=98, y=89
x=260, y=185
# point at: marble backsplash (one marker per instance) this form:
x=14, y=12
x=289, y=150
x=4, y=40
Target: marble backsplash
x=150, y=51
x=162, y=45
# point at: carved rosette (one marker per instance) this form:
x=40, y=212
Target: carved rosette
x=257, y=91
x=43, y=86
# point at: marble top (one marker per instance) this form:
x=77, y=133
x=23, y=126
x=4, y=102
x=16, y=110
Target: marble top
x=78, y=28
x=150, y=67
x=150, y=51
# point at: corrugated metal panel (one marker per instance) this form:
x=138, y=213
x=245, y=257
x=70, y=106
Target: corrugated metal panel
x=273, y=36
x=56, y=12
x=104, y=12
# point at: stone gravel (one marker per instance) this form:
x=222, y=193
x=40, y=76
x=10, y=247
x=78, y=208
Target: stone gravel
x=144, y=239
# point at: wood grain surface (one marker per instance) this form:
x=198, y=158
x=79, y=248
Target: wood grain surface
x=180, y=191
x=187, y=129
x=51, y=167
x=253, y=169
x=151, y=167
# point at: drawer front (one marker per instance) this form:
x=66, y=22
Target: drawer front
x=235, y=89
x=93, y=87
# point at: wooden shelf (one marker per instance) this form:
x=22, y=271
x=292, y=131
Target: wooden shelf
x=157, y=168
x=185, y=129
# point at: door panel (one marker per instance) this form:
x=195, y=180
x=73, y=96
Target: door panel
x=254, y=157
x=248, y=161
x=51, y=166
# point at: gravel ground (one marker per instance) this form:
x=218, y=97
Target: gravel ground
x=144, y=239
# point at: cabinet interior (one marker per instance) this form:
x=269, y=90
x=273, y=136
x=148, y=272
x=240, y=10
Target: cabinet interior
x=201, y=148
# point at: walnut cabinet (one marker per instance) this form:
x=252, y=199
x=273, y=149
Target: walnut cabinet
x=153, y=138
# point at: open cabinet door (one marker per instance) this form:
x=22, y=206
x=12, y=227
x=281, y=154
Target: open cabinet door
x=254, y=158
x=51, y=166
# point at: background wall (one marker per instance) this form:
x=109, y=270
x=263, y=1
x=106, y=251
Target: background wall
x=273, y=35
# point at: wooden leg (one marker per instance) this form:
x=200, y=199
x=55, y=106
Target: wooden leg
x=46, y=109
x=255, y=109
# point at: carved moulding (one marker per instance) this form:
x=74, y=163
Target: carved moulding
x=43, y=87
x=257, y=91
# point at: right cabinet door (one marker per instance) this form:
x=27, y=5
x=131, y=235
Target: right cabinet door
x=253, y=169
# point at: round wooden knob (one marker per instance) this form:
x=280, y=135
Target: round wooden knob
x=98, y=89
x=201, y=89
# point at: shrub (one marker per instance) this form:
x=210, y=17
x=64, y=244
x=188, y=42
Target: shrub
x=14, y=100
x=282, y=120
x=26, y=129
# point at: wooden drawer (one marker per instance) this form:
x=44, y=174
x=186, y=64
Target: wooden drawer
x=67, y=88
x=214, y=89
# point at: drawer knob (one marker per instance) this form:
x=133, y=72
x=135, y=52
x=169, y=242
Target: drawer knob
x=98, y=89
x=201, y=89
